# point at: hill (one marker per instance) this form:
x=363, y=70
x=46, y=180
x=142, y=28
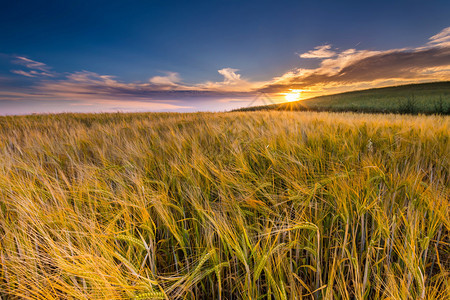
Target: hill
x=424, y=98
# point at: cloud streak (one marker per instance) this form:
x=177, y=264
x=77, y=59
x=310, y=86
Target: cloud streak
x=31, y=64
x=442, y=38
x=36, y=68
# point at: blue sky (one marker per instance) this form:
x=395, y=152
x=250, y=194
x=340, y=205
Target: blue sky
x=60, y=56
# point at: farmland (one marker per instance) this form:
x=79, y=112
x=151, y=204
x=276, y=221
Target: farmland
x=240, y=205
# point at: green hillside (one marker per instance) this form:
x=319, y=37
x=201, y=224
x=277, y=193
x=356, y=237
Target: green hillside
x=426, y=98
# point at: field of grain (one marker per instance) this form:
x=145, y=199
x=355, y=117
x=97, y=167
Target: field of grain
x=255, y=205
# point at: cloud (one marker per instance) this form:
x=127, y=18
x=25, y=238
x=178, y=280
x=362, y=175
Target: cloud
x=442, y=37
x=350, y=69
x=230, y=75
x=319, y=52
x=232, y=83
x=36, y=68
x=31, y=64
x=23, y=73
x=171, y=79
x=31, y=73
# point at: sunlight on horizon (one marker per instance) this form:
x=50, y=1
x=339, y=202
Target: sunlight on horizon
x=293, y=95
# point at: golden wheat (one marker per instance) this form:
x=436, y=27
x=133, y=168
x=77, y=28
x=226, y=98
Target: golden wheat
x=277, y=205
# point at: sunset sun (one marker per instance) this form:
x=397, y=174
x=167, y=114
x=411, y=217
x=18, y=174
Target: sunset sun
x=292, y=96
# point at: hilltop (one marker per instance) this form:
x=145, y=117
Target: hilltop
x=425, y=98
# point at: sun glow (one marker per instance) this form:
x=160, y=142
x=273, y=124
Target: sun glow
x=293, y=95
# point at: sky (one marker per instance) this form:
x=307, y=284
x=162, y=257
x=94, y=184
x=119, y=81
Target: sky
x=214, y=55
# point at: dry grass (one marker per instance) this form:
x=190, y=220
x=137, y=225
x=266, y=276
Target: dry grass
x=277, y=205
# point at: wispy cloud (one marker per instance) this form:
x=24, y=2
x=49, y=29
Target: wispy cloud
x=441, y=38
x=32, y=73
x=24, y=73
x=36, y=68
x=319, y=52
x=31, y=64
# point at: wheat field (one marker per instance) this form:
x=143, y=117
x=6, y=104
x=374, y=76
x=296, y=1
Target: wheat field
x=241, y=205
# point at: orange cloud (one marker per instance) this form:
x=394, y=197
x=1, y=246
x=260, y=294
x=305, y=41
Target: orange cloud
x=350, y=69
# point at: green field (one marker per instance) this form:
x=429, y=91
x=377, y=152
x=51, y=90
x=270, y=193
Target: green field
x=425, y=98
x=241, y=205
